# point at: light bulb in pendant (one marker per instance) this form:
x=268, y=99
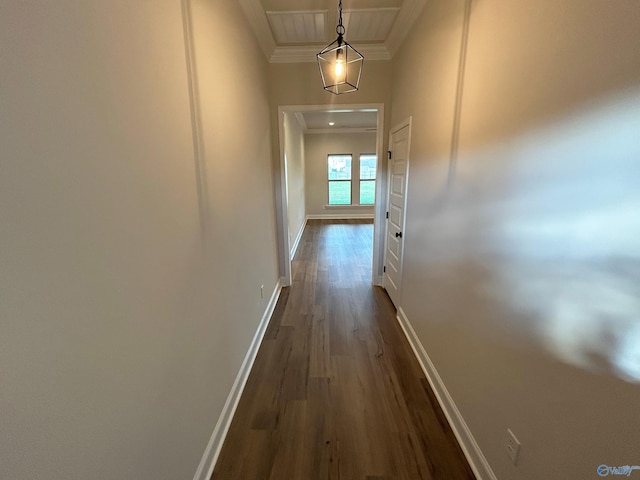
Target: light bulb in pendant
x=339, y=66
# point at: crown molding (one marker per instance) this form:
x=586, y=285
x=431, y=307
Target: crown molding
x=331, y=131
x=407, y=16
x=259, y=24
x=376, y=51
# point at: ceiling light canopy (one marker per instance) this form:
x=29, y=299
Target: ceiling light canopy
x=340, y=64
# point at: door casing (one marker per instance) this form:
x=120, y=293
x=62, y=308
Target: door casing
x=379, y=221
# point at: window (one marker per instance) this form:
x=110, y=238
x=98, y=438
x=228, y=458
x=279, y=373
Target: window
x=340, y=168
x=339, y=179
x=367, y=179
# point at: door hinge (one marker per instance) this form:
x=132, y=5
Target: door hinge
x=387, y=215
x=384, y=269
x=389, y=154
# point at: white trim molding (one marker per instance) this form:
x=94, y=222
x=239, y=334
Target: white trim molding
x=377, y=211
x=347, y=130
x=196, y=123
x=470, y=447
x=296, y=242
x=282, y=205
x=357, y=206
x=211, y=453
x=301, y=121
x=340, y=216
x=307, y=54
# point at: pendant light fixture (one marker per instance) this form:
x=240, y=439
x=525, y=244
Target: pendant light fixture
x=340, y=64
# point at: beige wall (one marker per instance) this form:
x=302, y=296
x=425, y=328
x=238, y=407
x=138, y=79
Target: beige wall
x=121, y=333
x=520, y=278
x=318, y=147
x=294, y=152
x=293, y=84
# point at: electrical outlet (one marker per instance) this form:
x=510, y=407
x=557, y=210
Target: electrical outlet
x=261, y=291
x=512, y=446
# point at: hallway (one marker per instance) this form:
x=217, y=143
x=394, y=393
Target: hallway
x=336, y=392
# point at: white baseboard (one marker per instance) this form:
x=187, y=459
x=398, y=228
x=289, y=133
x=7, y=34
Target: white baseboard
x=378, y=280
x=339, y=216
x=470, y=448
x=296, y=242
x=208, y=462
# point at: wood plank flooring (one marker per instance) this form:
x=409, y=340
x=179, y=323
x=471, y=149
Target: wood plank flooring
x=336, y=392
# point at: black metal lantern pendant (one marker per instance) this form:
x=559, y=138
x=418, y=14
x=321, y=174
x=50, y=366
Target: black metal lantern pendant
x=340, y=64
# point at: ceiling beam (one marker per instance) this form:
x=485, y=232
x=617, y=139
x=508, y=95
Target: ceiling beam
x=407, y=15
x=259, y=24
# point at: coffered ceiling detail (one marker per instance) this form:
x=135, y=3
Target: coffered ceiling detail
x=298, y=27
x=295, y=30
x=369, y=25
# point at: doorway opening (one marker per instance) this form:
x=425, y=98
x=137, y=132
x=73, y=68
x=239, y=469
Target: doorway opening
x=354, y=181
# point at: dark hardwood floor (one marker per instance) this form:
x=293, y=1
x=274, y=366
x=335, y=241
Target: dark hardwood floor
x=336, y=392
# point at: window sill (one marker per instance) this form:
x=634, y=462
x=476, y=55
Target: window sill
x=341, y=207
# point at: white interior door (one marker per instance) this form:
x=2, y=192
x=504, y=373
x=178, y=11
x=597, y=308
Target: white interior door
x=398, y=171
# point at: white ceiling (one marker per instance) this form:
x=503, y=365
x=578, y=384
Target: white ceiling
x=298, y=27
x=371, y=25
x=295, y=30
